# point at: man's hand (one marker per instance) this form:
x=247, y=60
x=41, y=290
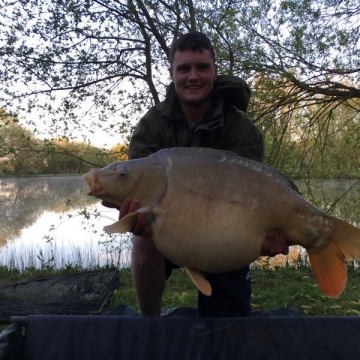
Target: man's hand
x=141, y=228
x=274, y=244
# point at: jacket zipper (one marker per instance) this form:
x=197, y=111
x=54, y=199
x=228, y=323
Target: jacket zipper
x=190, y=136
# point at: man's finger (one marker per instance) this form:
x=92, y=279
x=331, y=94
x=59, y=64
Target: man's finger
x=134, y=205
x=124, y=210
x=140, y=225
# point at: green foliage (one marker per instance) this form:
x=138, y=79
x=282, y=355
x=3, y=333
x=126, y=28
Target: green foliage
x=328, y=148
x=21, y=153
x=99, y=66
x=18, y=148
x=64, y=156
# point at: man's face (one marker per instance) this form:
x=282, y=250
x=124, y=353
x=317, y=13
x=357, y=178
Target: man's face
x=193, y=74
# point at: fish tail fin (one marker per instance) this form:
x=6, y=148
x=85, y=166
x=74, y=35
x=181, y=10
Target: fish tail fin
x=328, y=263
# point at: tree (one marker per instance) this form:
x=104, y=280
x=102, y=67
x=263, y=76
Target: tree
x=109, y=58
x=5, y=119
x=304, y=54
x=63, y=156
x=119, y=152
x=22, y=153
x=88, y=50
x=19, y=149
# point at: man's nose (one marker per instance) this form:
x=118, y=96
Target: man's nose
x=193, y=74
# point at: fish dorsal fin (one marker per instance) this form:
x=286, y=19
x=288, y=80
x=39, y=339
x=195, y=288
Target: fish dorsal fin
x=124, y=225
x=199, y=281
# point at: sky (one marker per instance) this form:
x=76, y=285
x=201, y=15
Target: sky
x=87, y=130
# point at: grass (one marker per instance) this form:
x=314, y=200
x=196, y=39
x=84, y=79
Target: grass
x=272, y=287
x=279, y=287
x=13, y=275
x=289, y=287
x=179, y=291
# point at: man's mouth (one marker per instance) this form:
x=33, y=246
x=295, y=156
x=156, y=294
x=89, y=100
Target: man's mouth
x=193, y=87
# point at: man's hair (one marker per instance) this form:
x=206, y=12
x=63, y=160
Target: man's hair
x=195, y=41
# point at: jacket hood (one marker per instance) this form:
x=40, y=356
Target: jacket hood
x=233, y=90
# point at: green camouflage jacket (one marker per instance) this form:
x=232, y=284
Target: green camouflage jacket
x=224, y=127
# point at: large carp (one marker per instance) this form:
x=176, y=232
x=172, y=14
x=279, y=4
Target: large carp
x=210, y=211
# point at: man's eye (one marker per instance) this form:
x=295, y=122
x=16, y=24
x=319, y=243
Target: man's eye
x=183, y=68
x=204, y=66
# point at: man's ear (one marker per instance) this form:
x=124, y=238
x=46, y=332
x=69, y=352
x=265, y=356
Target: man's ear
x=171, y=73
x=215, y=72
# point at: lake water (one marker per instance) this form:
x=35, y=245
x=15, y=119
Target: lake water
x=52, y=221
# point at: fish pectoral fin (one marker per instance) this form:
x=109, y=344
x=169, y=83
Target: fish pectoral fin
x=199, y=281
x=124, y=225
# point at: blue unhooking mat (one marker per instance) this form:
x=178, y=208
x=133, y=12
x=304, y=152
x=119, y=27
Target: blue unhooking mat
x=276, y=334
x=128, y=337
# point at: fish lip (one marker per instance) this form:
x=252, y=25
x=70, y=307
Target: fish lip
x=93, y=183
x=97, y=192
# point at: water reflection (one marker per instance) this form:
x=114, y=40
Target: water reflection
x=24, y=200
x=52, y=221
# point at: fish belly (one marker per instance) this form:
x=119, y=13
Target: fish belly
x=207, y=235
x=224, y=229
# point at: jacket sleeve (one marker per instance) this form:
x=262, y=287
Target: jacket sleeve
x=242, y=137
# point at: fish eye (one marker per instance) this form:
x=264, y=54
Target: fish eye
x=122, y=173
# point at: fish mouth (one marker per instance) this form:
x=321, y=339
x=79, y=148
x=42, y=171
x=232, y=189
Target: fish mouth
x=92, y=180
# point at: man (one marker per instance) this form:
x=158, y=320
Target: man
x=200, y=109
